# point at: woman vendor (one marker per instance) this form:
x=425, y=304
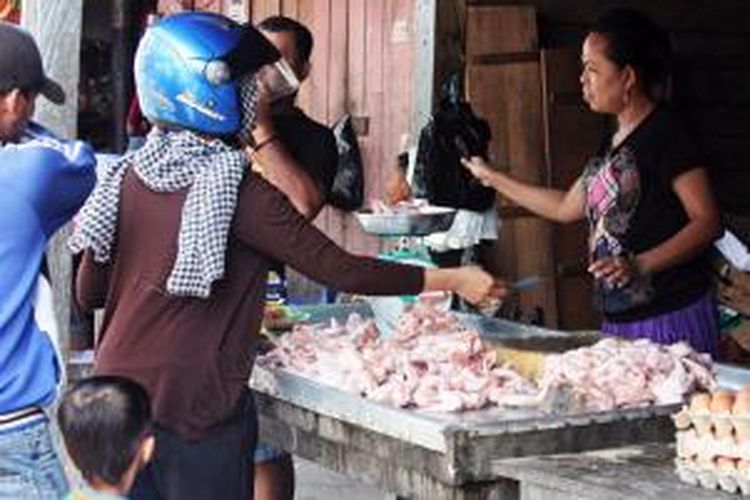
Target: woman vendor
x=645, y=193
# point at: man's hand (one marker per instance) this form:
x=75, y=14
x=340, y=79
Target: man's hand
x=473, y=284
x=396, y=187
x=478, y=287
x=263, y=127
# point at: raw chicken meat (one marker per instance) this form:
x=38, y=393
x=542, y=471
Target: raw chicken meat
x=433, y=361
x=410, y=206
x=617, y=373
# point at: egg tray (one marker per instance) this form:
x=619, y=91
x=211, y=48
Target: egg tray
x=706, y=475
x=721, y=425
x=707, y=439
x=709, y=447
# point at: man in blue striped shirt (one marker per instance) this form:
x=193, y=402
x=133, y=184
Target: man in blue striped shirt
x=43, y=182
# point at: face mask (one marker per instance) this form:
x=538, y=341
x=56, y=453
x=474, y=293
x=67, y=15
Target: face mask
x=248, y=93
x=278, y=80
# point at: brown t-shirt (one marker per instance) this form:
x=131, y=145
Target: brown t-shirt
x=194, y=356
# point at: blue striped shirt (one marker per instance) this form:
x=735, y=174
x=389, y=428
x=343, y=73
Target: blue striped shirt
x=43, y=182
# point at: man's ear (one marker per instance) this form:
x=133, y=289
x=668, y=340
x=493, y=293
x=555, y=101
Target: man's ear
x=631, y=78
x=147, y=449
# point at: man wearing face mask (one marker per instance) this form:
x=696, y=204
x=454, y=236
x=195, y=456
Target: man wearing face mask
x=178, y=239
x=305, y=174
x=303, y=168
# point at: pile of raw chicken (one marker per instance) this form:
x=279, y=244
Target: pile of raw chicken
x=433, y=361
x=405, y=207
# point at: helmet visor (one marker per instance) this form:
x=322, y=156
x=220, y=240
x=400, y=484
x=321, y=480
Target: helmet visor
x=251, y=53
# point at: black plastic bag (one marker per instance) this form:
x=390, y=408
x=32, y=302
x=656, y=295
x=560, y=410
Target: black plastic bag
x=348, y=189
x=454, y=132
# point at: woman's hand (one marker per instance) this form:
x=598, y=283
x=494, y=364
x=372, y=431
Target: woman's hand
x=618, y=271
x=481, y=170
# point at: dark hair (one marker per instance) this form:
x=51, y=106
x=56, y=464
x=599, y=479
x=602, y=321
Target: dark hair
x=103, y=421
x=636, y=41
x=303, y=39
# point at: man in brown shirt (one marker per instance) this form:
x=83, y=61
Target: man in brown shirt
x=194, y=354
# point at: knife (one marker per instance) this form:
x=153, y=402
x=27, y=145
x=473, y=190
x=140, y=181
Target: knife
x=527, y=283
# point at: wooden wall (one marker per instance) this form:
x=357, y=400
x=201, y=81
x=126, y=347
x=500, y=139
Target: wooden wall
x=712, y=40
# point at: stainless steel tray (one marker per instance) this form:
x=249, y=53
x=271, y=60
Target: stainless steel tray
x=433, y=220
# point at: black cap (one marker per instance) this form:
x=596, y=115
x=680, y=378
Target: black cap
x=252, y=52
x=21, y=64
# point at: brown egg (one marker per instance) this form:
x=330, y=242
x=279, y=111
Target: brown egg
x=742, y=402
x=722, y=401
x=726, y=464
x=705, y=463
x=700, y=402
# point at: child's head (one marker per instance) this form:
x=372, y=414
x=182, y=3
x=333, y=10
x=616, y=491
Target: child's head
x=106, y=425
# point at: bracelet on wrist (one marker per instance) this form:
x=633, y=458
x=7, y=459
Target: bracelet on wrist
x=264, y=142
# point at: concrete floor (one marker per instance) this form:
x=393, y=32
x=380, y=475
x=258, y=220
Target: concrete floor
x=316, y=483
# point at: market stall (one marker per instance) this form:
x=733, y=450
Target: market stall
x=468, y=455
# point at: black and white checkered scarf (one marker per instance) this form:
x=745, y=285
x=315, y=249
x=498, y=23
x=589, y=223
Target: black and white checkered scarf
x=168, y=162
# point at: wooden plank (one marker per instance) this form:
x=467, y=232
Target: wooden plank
x=239, y=10
x=695, y=15
x=173, y=6
x=508, y=96
x=290, y=8
x=338, y=70
x=399, y=59
x=450, y=42
x=262, y=9
x=573, y=132
x=505, y=58
x=357, y=58
x=514, y=95
x=495, y=30
x=208, y=5
x=371, y=146
x=357, y=105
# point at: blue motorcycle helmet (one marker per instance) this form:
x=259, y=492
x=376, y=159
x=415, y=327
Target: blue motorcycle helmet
x=187, y=67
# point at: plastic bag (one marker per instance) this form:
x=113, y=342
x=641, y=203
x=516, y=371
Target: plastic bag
x=454, y=132
x=348, y=189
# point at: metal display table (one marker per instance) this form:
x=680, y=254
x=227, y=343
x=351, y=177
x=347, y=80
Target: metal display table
x=435, y=456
